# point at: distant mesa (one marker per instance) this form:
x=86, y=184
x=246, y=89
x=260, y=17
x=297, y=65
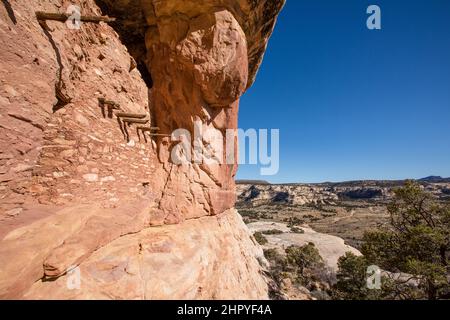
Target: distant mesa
x=434, y=179
x=252, y=182
x=431, y=179
x=258, y=192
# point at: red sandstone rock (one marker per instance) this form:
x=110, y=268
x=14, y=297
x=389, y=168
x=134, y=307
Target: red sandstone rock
x=80, y=187
x=194, y=260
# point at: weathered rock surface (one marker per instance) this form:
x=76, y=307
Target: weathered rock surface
x=54, y=153
x=202, y=56
x=256, y=18
x=203, y=91
x=205, y=258
x=48, y=247
x=81, y=187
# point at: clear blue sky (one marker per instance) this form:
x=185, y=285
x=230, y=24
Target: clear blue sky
x=352, y=103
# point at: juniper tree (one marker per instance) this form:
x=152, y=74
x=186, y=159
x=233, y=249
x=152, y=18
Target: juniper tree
x=416, y=241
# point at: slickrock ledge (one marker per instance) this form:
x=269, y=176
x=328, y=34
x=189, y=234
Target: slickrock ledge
x=81, y=185
x=205, y=258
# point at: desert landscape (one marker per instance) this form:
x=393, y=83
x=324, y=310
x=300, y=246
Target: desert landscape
x=332, y=216
x=119, y=155
x=344, y=209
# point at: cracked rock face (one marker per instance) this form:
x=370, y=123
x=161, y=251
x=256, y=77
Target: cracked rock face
x=200, y=69
x=194, y=260
x=202, y=56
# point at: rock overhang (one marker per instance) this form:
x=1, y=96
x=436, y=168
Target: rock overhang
x=257, y=19
x=201, y=55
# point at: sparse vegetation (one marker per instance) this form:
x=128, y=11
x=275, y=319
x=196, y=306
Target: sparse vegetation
x=328, y=214
x=322, y=208
x=266, y=216
x=406, y=235
x=297, y=230
x=294, y=221
x=273, y=231
x=277, y=264
x=416, y=242
x=301, y=260
x=247, y=220
x=250, y=214
x=260, y=238
x=351, y=280
x=303, y=266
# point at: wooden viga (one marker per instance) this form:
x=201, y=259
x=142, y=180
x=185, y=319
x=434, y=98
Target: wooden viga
x=63, y=17
x=43, y=17
x=130, y=118
x=151, y=131
x=136, y=118
x=109, y=103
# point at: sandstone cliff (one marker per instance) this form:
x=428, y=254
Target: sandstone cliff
x=83, y=186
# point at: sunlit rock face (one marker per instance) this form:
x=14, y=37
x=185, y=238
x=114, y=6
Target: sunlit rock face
x=199, y=68
x=205, y=258
x=202, y=56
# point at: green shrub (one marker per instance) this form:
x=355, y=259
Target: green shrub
x=260, y=238
x=303, y=257
x=297, y=230
x=273, y=231
x=266, y=216
x=293, y=221
x=248, y=214
x=416, y=242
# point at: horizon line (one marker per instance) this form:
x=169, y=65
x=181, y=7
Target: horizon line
x=263, y=181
